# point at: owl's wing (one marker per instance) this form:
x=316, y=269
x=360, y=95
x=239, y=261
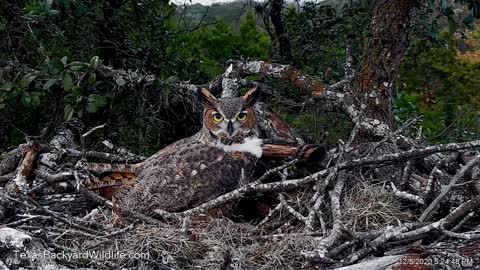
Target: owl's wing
x=185, y=176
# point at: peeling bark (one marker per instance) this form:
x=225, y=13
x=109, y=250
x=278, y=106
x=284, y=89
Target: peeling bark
x=21, y=182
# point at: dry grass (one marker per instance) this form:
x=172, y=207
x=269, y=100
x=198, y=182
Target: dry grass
x=210, y=244
x=370, y=206
x=213, y=243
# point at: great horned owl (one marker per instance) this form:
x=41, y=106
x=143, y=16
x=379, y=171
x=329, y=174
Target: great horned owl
x=202, y=167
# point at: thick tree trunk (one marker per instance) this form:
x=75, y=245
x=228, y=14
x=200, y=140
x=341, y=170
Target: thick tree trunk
x=390, y=29
x=284, y=47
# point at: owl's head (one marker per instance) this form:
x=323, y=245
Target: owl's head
x=229, y=119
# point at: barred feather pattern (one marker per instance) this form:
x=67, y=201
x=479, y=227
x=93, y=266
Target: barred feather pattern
x=184, y=175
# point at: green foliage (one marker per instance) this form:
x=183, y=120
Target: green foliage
x=48, y=74
x=230, y=12
x=252, y=42
x=34, y=88
x=210, y=47
x=320, y=33
x=125, y=34
x=317, y=127
x=51, y=51
x=40, y=10
x=443, y=88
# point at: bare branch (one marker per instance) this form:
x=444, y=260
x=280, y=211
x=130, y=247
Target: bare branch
x=93, y=130
x=430, y=210
x=407, y=196
x=290, y=209
x=466, y=236
x=446, y=221
x=321, y=253
x=103, y=156
x=377, y=242
x=287, y=73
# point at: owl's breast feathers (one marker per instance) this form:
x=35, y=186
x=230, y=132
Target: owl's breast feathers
x=188, y=173
x=251, y=145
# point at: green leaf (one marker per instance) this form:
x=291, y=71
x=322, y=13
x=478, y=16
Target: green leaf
x=53, y=12
x=6, y=87
x=76, y=65
x=91, y=108
x=448, y=12
x=97, y=100
x=3, y=24
x=94, y=62
x=26, y=99
x=68, y=112
x=468, y=21
x=64, y=60
x=476, y=9
x=35, y=100
x=67, y=82
x=26, y=80
x=92, y=78
x=48, y=4
x=2, y=105
x=70, y=98
x=452, y=25
x=77, y=90
x=443, y=5
x=49, y=83
x=172, y=79
x=120, y=81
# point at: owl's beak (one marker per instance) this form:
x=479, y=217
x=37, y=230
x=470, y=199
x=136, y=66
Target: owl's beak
x=230, y=128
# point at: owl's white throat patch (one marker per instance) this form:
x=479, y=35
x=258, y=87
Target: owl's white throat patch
x=252, y=145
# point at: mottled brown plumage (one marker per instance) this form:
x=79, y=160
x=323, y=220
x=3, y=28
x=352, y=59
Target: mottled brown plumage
x=216, y=160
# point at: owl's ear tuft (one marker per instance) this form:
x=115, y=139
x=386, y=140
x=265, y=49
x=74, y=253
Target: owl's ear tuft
x=206, y=98
x=251, y=96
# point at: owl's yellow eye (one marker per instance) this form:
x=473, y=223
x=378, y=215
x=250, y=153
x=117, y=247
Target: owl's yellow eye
x=242, y=117
x=217, y=118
